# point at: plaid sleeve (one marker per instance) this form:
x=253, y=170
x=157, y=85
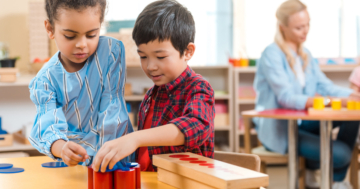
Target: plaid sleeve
x=197, y=122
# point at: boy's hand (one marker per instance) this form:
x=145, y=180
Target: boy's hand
x=113, y=151
x=71, y=153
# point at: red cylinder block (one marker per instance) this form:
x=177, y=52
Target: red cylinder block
x=103, y=180
x=138, y=176
x=124, y=179
x=90, y=178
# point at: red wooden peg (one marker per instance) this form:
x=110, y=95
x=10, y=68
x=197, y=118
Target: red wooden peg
x=124, y=179
x=90, y=178
x=138, y=176
x=103, y=180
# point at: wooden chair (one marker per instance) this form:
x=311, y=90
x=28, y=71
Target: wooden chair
x=354, y=167
x=269, y=158
x=248, y=161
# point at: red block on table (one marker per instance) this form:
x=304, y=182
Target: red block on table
x=103, y=180
x=138, y=176
x=124, y=179
x=90, y=178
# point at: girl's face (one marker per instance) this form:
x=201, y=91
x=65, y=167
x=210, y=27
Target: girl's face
x=297, y=28
x=76, y=34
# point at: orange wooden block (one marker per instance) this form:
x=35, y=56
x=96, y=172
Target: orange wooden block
x=180, y=171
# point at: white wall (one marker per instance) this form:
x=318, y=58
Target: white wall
x=16, y=108
x=324, y=36
x=213, y=22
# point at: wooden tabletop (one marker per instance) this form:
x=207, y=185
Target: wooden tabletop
x=298, y=114
x=38, y=177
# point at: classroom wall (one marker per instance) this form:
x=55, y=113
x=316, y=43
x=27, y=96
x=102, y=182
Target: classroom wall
x=14, y=30
x=16, y=108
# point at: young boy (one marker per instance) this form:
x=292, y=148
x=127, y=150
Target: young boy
x=177, y=113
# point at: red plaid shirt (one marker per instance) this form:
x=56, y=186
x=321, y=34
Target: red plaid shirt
x=188, y=103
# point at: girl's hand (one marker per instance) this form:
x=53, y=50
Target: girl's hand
x=354, y=96
x=113, y=151
x=73, y=153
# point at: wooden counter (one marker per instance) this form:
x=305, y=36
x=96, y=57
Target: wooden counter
x=38, y=177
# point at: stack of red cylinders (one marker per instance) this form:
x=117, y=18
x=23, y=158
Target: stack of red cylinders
x=138, y=176
x=124, y=179
x=90, y=178
x=114, y=180
x=103, y=180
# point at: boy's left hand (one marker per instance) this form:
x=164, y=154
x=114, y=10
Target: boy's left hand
x=113, y=151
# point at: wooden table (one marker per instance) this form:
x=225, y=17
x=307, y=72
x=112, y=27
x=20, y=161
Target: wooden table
x=38, y=177
x=325, y=139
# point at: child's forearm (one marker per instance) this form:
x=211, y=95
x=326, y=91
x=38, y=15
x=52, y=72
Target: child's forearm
x=166, y=135
x=354, y=87
x=57, y=147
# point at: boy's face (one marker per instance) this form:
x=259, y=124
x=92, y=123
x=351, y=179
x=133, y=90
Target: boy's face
x=76, y=34
x=162, y=62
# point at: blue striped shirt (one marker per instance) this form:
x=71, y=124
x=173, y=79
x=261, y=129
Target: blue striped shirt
x=87, y=106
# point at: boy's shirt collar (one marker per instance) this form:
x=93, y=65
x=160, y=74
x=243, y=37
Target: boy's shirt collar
x=179, y=80
x=171, y=86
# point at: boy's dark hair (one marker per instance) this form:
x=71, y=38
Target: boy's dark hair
x=163, y=20
x=52, y=7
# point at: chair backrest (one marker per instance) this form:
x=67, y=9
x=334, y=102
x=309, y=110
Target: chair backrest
x=248, y=161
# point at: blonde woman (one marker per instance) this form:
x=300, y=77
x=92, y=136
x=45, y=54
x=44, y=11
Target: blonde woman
x=288, y=77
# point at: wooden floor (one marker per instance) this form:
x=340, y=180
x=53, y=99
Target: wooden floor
x=279, y=177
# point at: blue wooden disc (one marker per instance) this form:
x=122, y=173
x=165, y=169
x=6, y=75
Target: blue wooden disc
x=6, y=166
x=54, y=165
x=12, y=170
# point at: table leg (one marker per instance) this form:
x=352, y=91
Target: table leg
x=326, y=155
x=293, y=164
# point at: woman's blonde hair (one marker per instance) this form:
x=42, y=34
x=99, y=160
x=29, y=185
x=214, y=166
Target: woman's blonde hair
x=283, y=13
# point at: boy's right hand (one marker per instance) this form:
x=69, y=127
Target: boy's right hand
x=70, y=152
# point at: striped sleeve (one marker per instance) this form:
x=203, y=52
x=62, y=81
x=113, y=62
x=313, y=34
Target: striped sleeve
x=113, y=119
x=50, y=123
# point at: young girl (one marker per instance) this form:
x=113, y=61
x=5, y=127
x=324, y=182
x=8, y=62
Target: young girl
x=79, y=93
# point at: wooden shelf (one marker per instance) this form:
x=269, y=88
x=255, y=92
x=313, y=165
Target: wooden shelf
x=337, y=68
x=222, y=97
x=134, y=98
x=192, y=67
x=245, y=69
x=211, y=67
x=22, y=80
x=246, y=101
x=242, y=132
x=222, y=128
x=16, y=147
x=324, y=68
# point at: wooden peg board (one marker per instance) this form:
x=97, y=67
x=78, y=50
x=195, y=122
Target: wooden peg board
x=331, y=112
x=188, y=170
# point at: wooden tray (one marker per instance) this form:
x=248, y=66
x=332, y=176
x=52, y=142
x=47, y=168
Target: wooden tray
x=182, y=173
